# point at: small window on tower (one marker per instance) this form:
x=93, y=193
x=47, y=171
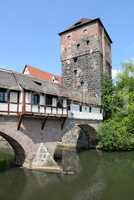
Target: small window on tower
x=78, y=45
x=87, y=42
x=69, y=36
x=75, y=71
x=82, y=83
x=75, y=59
x=85, y=30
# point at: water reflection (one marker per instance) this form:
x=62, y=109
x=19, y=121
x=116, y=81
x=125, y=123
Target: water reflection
x=104, y=176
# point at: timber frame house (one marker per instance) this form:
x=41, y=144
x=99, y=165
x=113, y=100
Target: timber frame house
x=25, y=96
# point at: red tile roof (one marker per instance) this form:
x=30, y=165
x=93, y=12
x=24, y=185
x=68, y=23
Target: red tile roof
x=41, y=74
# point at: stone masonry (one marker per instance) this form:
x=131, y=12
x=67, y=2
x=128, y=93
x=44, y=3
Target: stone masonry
x=85, y=56
x=35, y=148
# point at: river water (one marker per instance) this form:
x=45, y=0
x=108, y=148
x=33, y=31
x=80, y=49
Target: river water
x=97, y=176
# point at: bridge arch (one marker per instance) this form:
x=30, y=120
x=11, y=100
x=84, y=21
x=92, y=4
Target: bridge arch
x=80, y=135
x=86, y=137
x=18, y=149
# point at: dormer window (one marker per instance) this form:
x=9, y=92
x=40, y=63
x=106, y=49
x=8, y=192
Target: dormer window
x=37, y=83
x=3, y=95
x=77, y=23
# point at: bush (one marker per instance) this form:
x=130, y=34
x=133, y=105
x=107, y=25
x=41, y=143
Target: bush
x=117, y=133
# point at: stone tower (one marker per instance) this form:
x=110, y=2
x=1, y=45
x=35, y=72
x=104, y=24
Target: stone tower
x=85, y=55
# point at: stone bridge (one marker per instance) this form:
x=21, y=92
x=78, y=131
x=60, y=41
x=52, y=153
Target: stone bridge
x=35, y=148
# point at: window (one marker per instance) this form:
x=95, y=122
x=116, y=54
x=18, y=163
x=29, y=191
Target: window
x=77, y=23
x=80, y=108
x=85, y=30
x=82, y=83
x=49, y=100
x=35, y=99
x=69, y=36
x=60, y=103
x=78, y=45
x=87, y=42
x=69, y=104
x=75, y=59
x=3, y=95
x=75, y=71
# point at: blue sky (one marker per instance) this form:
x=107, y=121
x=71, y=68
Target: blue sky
x=29, y=29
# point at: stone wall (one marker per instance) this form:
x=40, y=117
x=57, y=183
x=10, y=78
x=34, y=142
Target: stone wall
x=85, y=55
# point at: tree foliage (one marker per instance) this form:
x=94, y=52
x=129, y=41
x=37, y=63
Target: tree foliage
x=117, y=131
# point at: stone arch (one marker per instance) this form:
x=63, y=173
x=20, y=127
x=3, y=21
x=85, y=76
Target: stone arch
x=87, y=137
x=18, y=149
x=80, y=135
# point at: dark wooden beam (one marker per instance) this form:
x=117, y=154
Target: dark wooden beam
x=20, y=121
x=63, y=122
x=44, y=122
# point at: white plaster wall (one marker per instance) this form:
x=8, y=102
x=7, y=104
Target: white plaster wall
x=35, y=108
x=74, y=107
x=85, y=115
x=28, y=108
x=59, y=111
x=54, y=102
x=95, y=110
x=13, y=97
x=54, y=111
x=28, y=97
x=48, y=109
x=21, y=97
x=42, y=109
x=3, y=107
x=13, y=107
x=42, y=100
x=85, y=108
x=64, y=103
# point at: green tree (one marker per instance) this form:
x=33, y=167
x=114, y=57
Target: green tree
x=117, y=133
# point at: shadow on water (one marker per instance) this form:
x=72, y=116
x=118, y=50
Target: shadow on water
x=6, y=159
x=98, y=176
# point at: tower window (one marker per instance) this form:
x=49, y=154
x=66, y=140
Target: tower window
x=78, y=45
x=75, y=59
x=82, y=83
x=85, y=30
x=69, y=36
x=75, y=71
x=87, y=42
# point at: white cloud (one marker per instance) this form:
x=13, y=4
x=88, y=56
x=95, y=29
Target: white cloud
x=115, y=72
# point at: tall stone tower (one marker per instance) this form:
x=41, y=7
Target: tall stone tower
x=85, y=55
